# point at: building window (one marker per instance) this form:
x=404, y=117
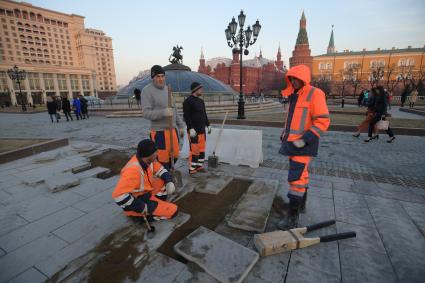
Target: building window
x=34, y=81
x=48, y=81
x=74, y=82
x=62, y=82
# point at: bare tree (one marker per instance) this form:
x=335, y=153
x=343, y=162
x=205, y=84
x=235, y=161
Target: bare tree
x=376, y=74
x=391, y=83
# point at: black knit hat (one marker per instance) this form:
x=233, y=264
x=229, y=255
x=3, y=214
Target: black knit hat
x=156, y=70
x=146, y=148
x=195, y=86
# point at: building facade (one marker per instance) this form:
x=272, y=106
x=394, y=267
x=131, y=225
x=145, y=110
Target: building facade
x=349, y=72
x=61, y=57
x=258, y=74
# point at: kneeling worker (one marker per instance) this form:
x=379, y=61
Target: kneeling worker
x=144, y=185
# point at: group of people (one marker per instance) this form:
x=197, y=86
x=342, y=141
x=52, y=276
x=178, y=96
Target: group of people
x=56, y=103
x=377, y=105
x=145, y=181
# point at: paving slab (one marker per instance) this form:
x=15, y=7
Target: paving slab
x=352, y=208
x=10, y=222
x=92, y=186
x=210, y=184
x=416, y=211
x=193, y=273
x=269, y=269
x=237, y=235
x=31, y=275
x=222, y=258
x=34, y=230
x=343, y=185
x=253, y=209
x=23, y=258
x=93, y=172
x=160, y=268
x=61, y=181
x=96, y=201
x=317, y=210
x=360, y=265
x=367, y=238
x=403, y=241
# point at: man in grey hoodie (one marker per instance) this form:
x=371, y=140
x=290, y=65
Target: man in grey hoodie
x=154, y=101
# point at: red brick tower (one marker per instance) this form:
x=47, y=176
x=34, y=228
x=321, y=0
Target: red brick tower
x=202, y=68
x=279, y=62
x=302, y=52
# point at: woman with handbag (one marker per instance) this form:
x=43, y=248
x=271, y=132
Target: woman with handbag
x=380, y=109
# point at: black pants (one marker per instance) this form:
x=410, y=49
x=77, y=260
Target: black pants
x=68, y=115
x=373, y=122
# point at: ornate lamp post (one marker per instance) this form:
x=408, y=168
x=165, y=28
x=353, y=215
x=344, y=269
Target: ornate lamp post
x=242, y=39
x=18, y=75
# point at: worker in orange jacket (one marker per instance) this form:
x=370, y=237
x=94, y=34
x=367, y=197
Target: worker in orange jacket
x=144, y=185
x=306, y=121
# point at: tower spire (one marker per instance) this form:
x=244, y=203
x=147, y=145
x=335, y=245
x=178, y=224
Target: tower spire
x=331, y=46
x=202, y=53
x=302, y=33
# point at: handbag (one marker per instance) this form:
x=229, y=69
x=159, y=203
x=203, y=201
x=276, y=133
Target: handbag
x=382, y=125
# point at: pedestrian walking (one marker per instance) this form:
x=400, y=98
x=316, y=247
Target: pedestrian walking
x=76, y=104
x=413, y=98
x=66, y=108
x=52, y=108
x=84, y=106
x=137, y=95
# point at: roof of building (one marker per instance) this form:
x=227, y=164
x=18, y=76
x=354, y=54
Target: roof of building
x=374, y=52
x=255, y=62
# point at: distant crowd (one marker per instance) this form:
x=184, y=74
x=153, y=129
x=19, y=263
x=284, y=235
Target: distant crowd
x=78, y=105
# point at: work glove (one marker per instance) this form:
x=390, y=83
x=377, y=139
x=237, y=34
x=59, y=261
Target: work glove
x=170, y=188
x=192, y=133
x=299, y=143
x=181, y=132
x=209, y=129
x=168, y=112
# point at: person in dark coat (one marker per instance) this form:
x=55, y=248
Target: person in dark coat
x=52, y=108
x=404, y=95
x=77, y=108
x=66, y=108
x=137, y=95
x=380, y=105
x=84, y=106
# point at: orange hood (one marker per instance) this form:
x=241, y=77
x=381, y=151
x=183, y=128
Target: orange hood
x=301, y=72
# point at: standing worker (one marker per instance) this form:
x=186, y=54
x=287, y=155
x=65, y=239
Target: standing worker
x=306, y=121
x=155, y=108
x=144, y=185
x=196, y=119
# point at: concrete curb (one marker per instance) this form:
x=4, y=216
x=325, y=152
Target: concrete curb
x=333, y=127
x=413, y=111
x=26, y=151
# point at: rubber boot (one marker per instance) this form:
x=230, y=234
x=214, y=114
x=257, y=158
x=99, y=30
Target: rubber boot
x=304, y=202
x=291, y=218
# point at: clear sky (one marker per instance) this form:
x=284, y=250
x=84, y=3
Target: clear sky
x=144, y=32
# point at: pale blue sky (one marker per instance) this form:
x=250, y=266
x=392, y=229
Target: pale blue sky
x=144, y=32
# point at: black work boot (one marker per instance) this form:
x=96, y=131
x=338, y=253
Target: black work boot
x=291, y=217
x=304, y=202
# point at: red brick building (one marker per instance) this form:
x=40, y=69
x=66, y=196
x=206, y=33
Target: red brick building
x=258, y=74
x=302, y=52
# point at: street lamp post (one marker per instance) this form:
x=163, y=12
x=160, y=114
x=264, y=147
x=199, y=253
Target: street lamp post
x=243, y=39
x=18, y=75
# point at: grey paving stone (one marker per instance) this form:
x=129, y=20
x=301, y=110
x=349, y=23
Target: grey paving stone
x=61, y=181
x=360, y=265
x=93, y=172
x=23, y=258
x=417, y=212
x=193, y=274
x=160, y=268
x=93, y=186
x=342, y=186
x=100, y=218
x=10, y=222
x=317, y=210
x=2, y=252
x=239, y=236
x=319, y=263
x=31, y=275
x=224, y=259
x=253, y=208
x=91, y=203
x=323, y=192
x=352, y=208
x=67, y=197
x=269, y=269
x=404, y=243
x=366, y=238
x=34, y=230
x=211, y=184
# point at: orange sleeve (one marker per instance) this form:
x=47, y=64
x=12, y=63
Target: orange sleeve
x=129, y=180
x=319, y=114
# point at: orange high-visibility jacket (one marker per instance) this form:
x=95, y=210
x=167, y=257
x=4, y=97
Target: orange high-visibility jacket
x=135, y=181
x=309, y=119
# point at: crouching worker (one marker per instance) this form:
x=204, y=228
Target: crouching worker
x=144, y=185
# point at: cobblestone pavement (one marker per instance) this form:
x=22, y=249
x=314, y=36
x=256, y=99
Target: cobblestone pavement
x=387, y=217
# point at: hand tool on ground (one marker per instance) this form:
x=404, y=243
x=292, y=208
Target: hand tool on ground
x=176, y=175
x=213, y=159
x=151, y=229
x=280, y=241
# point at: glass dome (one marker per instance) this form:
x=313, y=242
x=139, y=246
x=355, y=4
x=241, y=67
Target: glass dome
x=181, y=77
